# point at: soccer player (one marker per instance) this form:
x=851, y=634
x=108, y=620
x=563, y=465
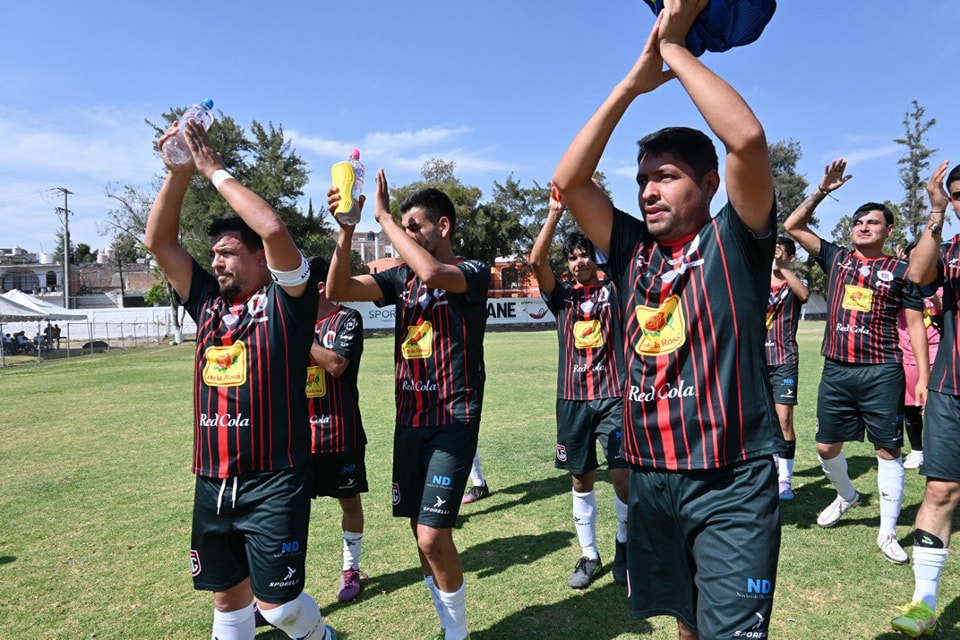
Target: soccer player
x=788, y=293
x=700, y=428
x=862, y=385
x=440, y=320
x=255, y=318
x=932, y=263
x=338, y=440
x=590, y=382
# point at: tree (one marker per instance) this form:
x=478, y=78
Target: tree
x=914, y=166
x=83, y=254
x=58, y=248
x=790, y=187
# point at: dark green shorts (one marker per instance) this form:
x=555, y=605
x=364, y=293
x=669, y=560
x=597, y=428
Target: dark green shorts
x=702, y=546
x=580, y=424
x=254, y=525
x=339, y=475
x=941, y=437
x=784, y=379
x=854, y=399
x=430, y=470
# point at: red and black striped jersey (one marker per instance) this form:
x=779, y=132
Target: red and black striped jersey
x=250, y=409
x=945, y=377
x=783, y=318
x=333, y=403
x=590, y=333
x=438, y=346
x=864, y=296
x=699, y=396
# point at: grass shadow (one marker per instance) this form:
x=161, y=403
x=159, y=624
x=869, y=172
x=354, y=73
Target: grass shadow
x=493, y=557
x=522, y=493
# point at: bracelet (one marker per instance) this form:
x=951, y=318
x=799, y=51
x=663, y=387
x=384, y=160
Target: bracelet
x=938, y=210
x=218, y=176
x=822, y=190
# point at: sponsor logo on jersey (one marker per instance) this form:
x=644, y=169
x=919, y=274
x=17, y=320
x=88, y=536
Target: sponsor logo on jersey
x=418, y=344
x=226, y=365
x=438, y=507
x=757, y=631
x=418, y=385
x=662, y=329
x=587, y=334
x=328, y=339
x=668, y=391
x=225, y=420
x=770, y=317
x=316, y=382
x=857, y=298
x=287, y=581
x=844, y=328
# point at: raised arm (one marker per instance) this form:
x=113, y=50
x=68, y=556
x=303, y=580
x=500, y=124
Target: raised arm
x=573, y=177
x=798, y=222
x=540, y=254
x=341, y=286
x=279, y=249
x=163, y=225
x=923, y=258
x=749, y=181
x=800, y=290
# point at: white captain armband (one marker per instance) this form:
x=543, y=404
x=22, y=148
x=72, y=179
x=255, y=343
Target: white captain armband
x=292, y=278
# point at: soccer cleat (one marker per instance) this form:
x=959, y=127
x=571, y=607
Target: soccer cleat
x=476, y=493
x=586, y=570
x=913, y=460
x=918, y=619
x=350, y=585
x=620, y=563
x=831, y=515
x=786, y=491
x=892, y=550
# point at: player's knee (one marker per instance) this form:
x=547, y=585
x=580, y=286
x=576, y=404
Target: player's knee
x=298, y=618
x=434, y=543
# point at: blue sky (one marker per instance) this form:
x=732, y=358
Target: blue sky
x=497, y=86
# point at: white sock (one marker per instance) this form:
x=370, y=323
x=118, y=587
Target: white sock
x=835, y=469
x=927, y=565
x=621, y=518
x=785, y=469
x=234, y=625
x=352, y=548
x=299, y=618
x=437, y=603
x=890, y=478
x=584, y=519
x=455, y=604
x=476, y=475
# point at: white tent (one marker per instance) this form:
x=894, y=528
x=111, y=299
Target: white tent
x=11, y=311
x=50, y=311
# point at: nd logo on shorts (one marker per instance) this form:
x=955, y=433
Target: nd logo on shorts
x=857, y=298
x=587, y=334
x=663, y=330
x=561, y=453
x=194, y=562
x=316, y=382
x=418, y=343
x=225, y=366
x=396, y=493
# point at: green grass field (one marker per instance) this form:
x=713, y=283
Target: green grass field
x=96, y=493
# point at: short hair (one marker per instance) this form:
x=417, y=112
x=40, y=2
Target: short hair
x=954, y=175
x=573, y=241
x=864, y=209
x=318, y=269
x=690, y=146
x=788, y=244
x=224, y=224
x=434, y=202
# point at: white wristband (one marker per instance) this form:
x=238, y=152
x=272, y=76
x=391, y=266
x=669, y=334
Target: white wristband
x=292, y=278
x=218, y=177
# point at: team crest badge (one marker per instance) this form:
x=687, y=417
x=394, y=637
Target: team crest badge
x=418, y=343
x=194, y=562
x=225, y=365
x=587, y=334
x=857, y=298
x=561, y=453
x=663, y=329
x=316, y=382
x=396, y=493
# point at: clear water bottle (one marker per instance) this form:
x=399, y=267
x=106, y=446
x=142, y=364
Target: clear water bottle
x=175, y=149
x=348, y=178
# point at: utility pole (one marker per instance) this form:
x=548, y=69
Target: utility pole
x=66, y=244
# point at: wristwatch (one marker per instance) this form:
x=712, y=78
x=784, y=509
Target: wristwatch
x=935, y=228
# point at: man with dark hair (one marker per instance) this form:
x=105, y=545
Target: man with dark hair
x=338, y=439
x=936, y=262
x=590, y=382
x=861, y=389
x=788, y=293
x=704, y=518
x=255, y=318
x=440, y=320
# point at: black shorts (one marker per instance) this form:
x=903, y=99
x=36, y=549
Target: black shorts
x=784, y=379
x=580, y=424
x=702, y=546
x=857, y=398
x=339, y=475
x=430, y=470
x=253, y=525
x=941, y=437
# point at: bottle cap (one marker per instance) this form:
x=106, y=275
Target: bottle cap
x=355, y=154
x=208, y=104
